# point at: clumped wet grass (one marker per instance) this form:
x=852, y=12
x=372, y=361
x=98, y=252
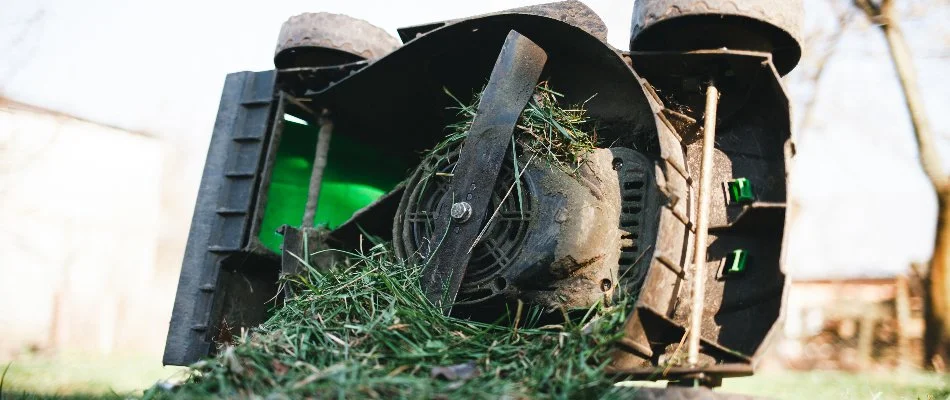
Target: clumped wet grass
x=558, y=133
x=365, y=329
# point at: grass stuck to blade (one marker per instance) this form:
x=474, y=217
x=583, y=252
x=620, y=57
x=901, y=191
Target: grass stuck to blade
x=561, y=135
x=365, y=329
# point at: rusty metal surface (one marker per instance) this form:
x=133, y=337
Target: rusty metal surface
x=510, y=86
x=760, y=25
x=572, y=12
x=322, y=39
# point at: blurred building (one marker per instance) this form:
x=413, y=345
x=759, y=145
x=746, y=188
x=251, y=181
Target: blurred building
x=80, y=231
x=851, y=324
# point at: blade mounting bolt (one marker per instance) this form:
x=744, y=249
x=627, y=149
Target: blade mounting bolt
x=461, y=211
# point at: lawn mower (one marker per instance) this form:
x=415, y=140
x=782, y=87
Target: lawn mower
x=579, y=173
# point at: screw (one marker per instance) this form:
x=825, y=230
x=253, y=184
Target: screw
x=461, y=211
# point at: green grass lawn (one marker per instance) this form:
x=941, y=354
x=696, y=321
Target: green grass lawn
x=843, y=385
x=77, y=379
x=82, y=376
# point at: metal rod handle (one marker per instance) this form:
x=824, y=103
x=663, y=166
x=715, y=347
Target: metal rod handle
x=702, y=224
x=316, y=174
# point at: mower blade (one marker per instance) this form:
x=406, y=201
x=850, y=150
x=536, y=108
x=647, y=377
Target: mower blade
x=510, y=87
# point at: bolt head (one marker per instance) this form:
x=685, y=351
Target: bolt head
x=461, y=211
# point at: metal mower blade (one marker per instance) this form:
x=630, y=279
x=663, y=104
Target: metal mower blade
x=510, y=87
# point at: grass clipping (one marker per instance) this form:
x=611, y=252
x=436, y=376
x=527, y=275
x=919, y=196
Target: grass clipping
x=365, y=329
x=557, y=135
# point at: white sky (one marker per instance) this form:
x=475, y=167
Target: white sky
x=158, y=67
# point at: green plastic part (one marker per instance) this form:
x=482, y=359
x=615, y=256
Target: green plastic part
x=741, y=190
x=356, y=175
x=736, y=262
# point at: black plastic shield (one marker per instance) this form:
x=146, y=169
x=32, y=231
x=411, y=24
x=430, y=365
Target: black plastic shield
x=222, y=218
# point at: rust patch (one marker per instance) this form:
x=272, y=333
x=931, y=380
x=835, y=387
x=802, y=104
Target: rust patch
x=568, y=266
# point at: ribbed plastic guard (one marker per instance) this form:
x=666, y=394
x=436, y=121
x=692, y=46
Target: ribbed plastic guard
x=221, y=222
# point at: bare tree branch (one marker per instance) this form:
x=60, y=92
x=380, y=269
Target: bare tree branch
x=885, y=16
x=844, y=21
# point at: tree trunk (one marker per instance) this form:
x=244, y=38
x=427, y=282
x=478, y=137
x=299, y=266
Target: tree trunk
x=937, y=307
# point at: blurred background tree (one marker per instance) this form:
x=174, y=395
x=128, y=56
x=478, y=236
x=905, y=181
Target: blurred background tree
x=937, y=316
